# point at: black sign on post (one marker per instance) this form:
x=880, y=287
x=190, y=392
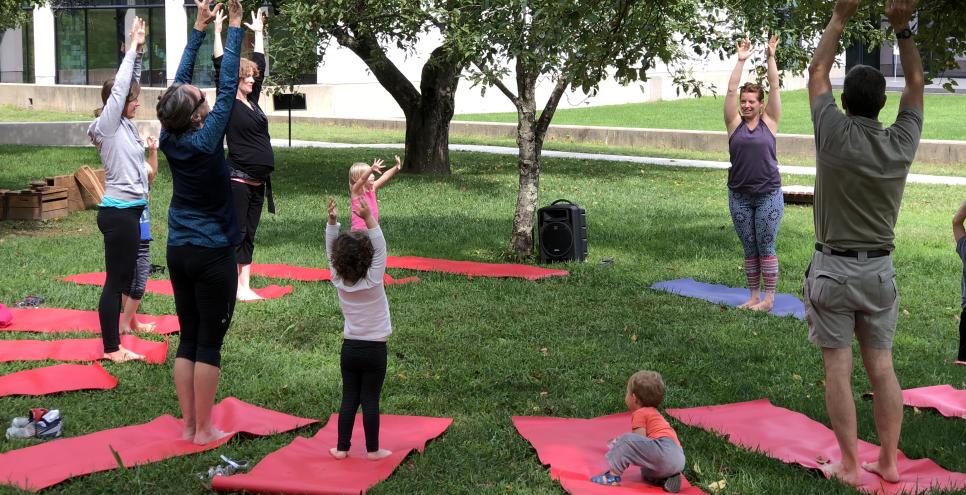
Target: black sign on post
x=289, y=101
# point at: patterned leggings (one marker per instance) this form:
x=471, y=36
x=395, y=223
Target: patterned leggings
x=756, y=218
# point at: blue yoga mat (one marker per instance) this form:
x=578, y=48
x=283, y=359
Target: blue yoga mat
x=785, y=304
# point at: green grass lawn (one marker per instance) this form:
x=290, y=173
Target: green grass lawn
x=943, y=115
x=481, y=350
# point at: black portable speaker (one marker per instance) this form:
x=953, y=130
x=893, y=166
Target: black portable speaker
x=562, y=232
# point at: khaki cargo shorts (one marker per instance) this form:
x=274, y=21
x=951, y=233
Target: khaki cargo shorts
x=846, y=296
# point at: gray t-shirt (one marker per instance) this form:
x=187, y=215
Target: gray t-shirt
x=961, y=251
x=861, y=171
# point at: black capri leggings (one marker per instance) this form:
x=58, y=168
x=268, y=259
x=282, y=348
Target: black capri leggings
x=248, y=209
x=122, y=234
x=204, y=281
x=363, y=371
x=962, y=336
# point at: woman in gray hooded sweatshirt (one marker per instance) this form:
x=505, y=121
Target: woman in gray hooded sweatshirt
x=126, y=188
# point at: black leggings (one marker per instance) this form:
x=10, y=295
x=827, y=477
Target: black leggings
x=248, y=209
x=204, y=281
x=122, y=234
x=363, y=371
x=962, y=336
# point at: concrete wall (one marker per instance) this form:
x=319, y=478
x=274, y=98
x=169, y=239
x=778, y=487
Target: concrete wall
x=75, y=134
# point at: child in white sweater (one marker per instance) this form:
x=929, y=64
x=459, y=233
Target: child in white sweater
x=357, y=260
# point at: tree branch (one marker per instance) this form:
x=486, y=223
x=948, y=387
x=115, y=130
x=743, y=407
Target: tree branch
x=499, y=84
x=389, y=76
x=551, y=107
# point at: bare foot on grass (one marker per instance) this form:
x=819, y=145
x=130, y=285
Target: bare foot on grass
x=122, y=355
x=247, y=294
x=379, y=454
x=890, y=474
x=205, y=437
x=338, y=454
x=839, y=472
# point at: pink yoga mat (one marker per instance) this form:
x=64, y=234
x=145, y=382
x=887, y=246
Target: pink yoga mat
x=944, y=398
x=472, y=268
x=78, y=349
x=40, y=466
x=305, y=466
x=163, y=287
x=50, y=320
x=59, y=378
x=575, y=448
x=308, y=274
x=794, y=438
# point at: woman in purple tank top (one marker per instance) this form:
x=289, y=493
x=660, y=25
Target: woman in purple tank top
x=754, y=185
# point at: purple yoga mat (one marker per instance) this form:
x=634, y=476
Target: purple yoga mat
x=785, y=304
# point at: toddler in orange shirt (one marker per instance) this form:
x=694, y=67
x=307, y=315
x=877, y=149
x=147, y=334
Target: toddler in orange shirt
x=652, y=444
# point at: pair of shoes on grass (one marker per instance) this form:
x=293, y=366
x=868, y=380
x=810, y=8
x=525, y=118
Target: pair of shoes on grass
x=671, y=484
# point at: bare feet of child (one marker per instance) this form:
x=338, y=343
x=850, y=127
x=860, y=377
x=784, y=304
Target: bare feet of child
x=838, y=471
x=749, y=303
x=205, y=437
x=338, y=454
x=122, y=355
x=764, y=305
x=379, y=454
x=188, y=433
x=890, y=474
x=247, y=294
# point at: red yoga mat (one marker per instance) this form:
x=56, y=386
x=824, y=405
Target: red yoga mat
x=794, y=438
x=308, y=274
x=40, y=466
x=575, y=448
x=51, y=320
x=472, y=268
x=944, y=398
x=163, y=287
x=305, y=466
x=78, y=349
x=59, y=378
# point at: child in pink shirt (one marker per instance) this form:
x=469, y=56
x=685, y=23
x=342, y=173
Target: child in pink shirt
x=363, y=186
x=652, y=444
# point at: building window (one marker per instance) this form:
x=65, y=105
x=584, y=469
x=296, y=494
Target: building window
x=92, y=39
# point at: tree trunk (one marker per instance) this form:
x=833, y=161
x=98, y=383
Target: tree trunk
x=427, y=126
x=428, y=111
x=528, y=163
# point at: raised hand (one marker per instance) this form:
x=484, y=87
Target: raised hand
x=205, y=14
x=845, y=9
x=234, y=13
x=257, y=24
x=398, y=163
x=772, y=45
x=219, y=21
x=899, y=12
x=152, y=143
x=377, y=166
x=744, y=50
x=333, y=211
x=137, y=33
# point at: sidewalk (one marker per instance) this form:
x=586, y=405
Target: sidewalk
x=643, y=160
x=898, y=83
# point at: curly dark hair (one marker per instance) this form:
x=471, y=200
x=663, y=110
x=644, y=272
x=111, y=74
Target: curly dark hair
x=352, y=255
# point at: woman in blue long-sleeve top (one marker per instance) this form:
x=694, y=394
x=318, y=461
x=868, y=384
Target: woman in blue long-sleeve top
x=201, y=222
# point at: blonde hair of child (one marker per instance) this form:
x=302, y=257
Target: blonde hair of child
x=648, y=387
x=358, y=169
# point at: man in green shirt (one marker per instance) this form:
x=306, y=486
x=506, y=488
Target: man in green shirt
x=850, y=287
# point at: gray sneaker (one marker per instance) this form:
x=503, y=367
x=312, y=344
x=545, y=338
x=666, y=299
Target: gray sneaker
x=672, y=484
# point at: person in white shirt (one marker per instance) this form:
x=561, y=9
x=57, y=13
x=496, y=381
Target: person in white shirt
x=357, y=260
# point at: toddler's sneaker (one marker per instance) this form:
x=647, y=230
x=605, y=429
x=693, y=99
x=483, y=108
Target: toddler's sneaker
x=607, y=479
x=20, y=431
x=50, y=425
x=672, y=484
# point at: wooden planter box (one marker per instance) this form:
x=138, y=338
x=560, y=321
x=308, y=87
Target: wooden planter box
x=77, y=199
x=36, y=205
x=3, y=204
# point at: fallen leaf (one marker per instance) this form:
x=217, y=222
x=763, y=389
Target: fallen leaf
x=905, y=312
x=633, y=338
x=796, y=376
x=696, y=468
x=717, y=486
